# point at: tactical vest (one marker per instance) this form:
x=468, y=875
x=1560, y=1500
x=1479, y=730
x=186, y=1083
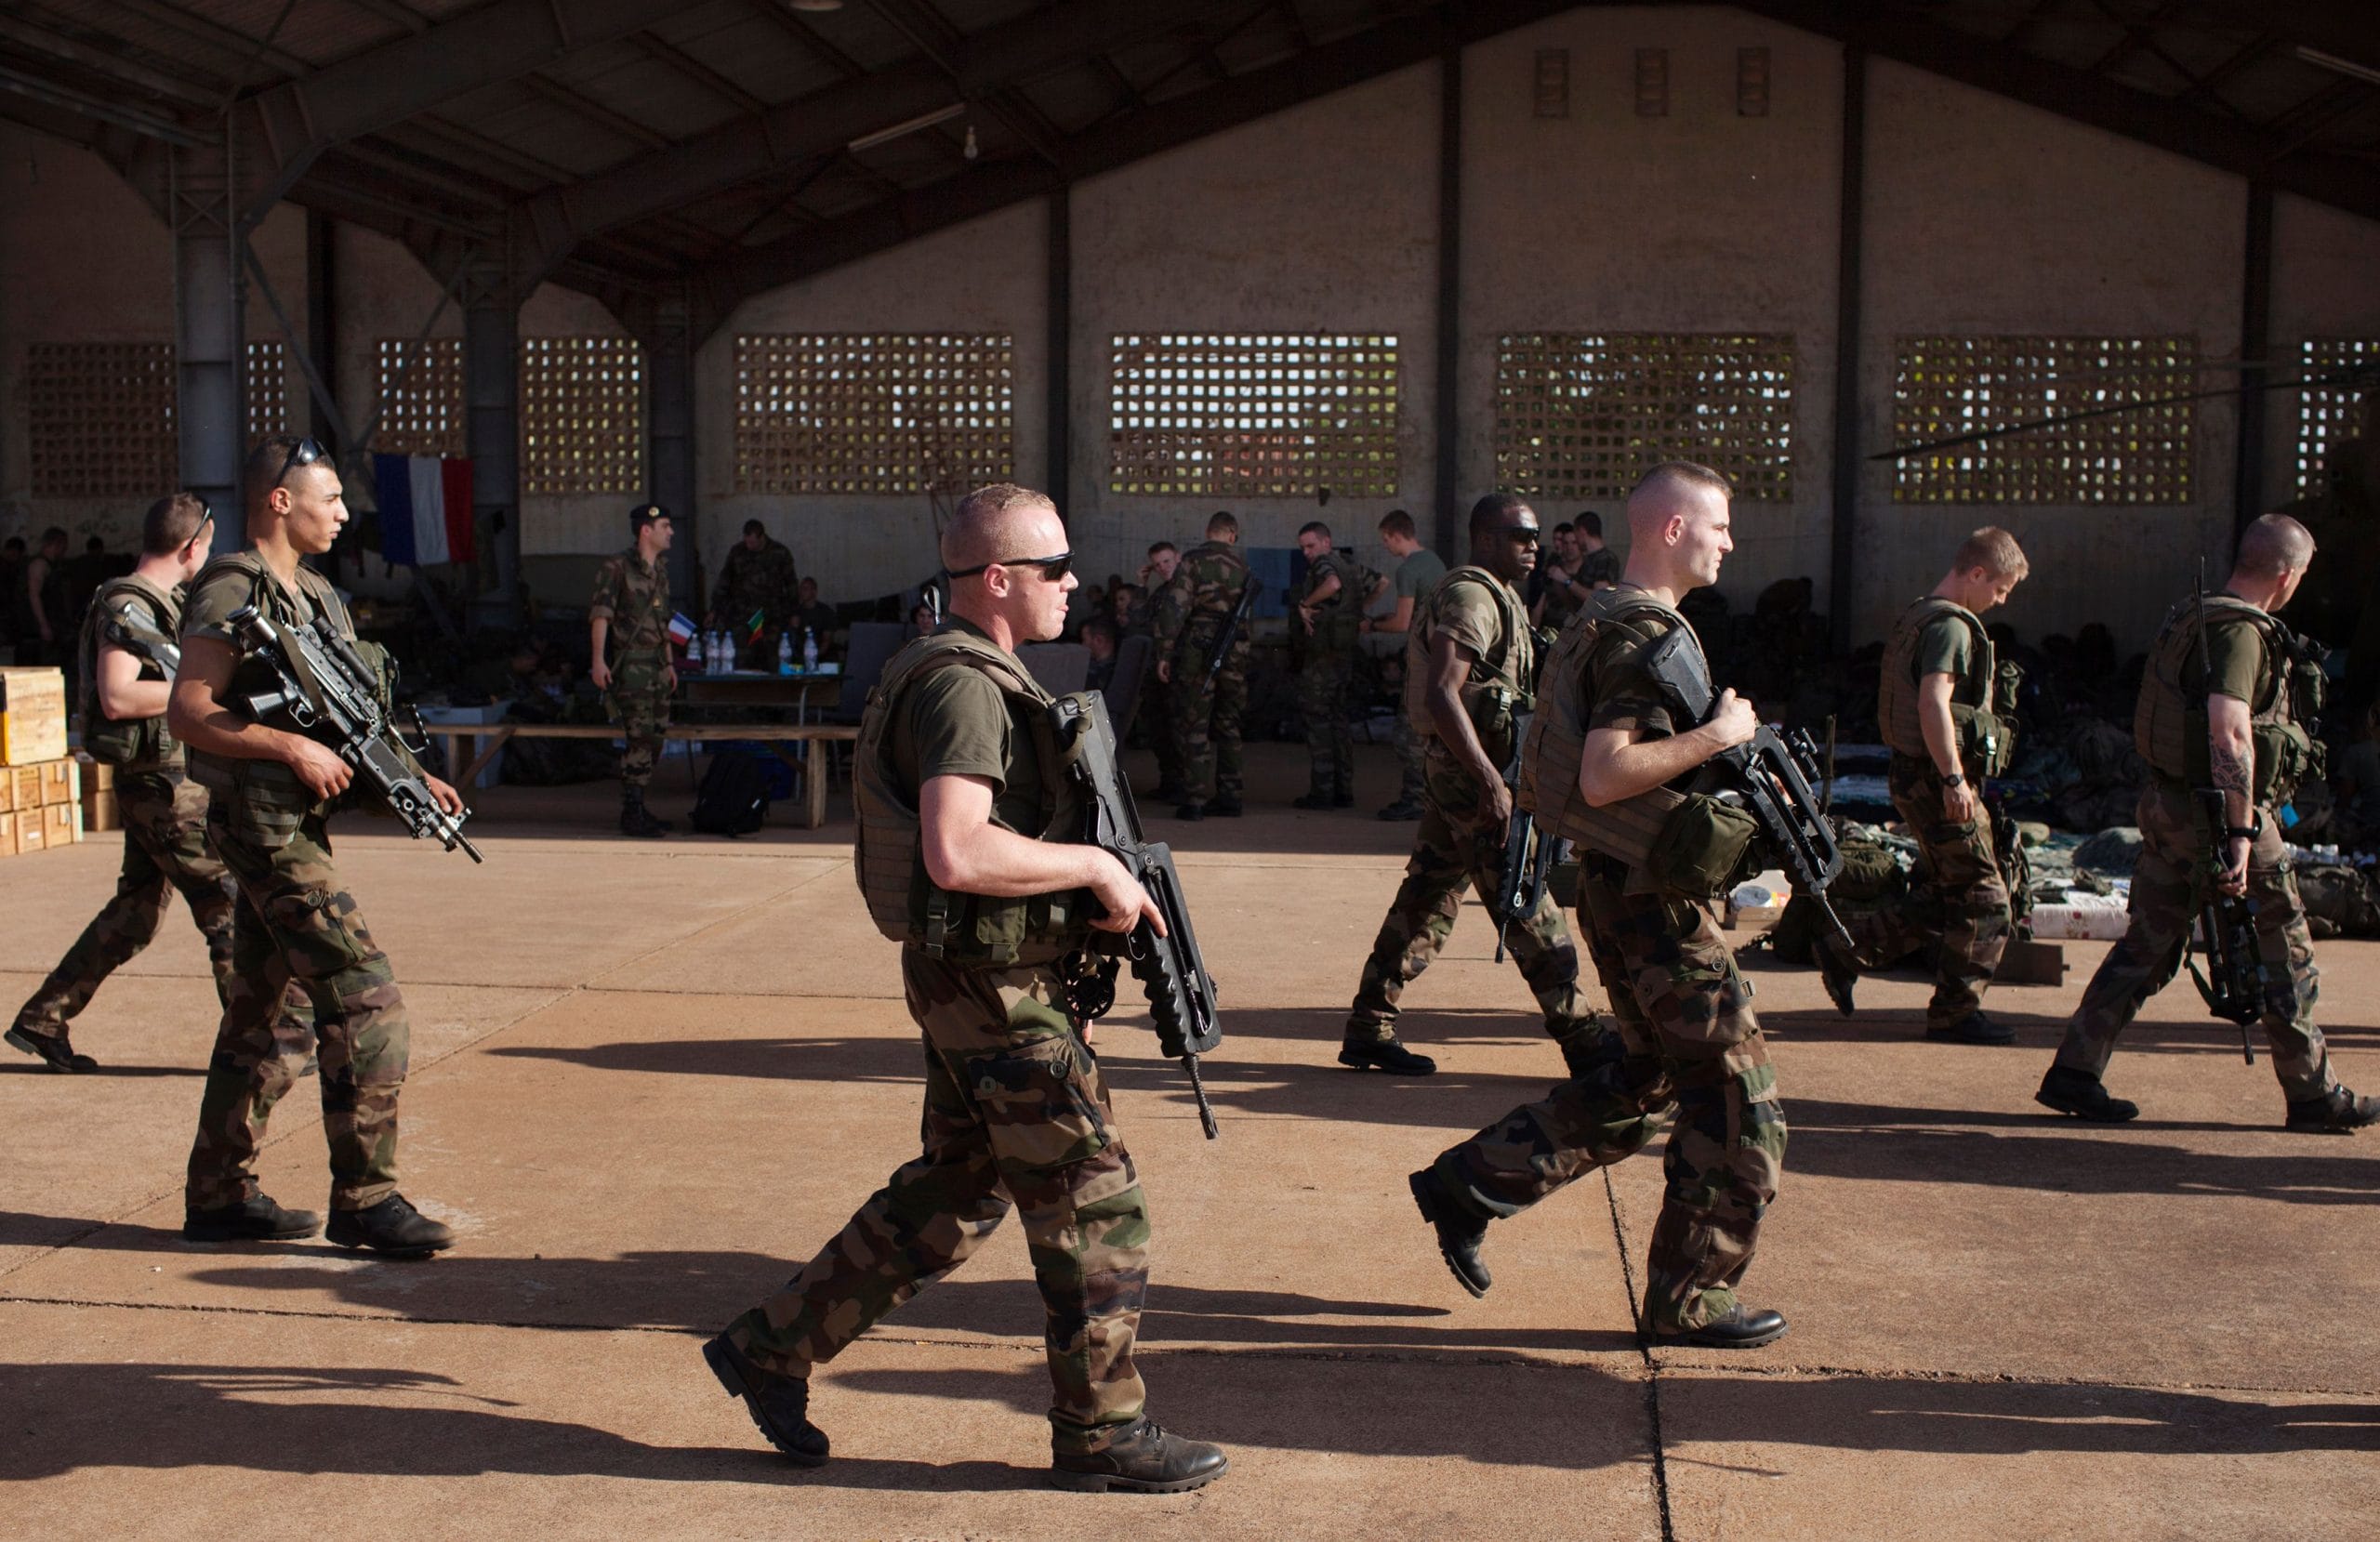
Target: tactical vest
x=1500, y=684
x=1557, y=735
x=132, y=745
x=1338, y=620
x=2169, y=727
x=264, y=799
x=980, y=930
x=1984, y=742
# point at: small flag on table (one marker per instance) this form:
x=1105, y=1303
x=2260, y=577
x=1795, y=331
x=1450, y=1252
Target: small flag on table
x=681, y=628
x=425, y=510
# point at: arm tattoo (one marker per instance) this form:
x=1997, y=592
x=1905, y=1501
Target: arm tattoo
x=2230, y=770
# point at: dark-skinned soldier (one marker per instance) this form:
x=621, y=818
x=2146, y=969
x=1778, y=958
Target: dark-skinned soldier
x=1470, y=675
x=1934, y=705
x=1607, y=765
x=628, y=627
x=270, y=793
x=1191, y=612
x=956, y=773
x=757, y=581
x=2237, y=724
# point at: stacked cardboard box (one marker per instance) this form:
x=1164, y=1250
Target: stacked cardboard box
x=32, y=716
x=99, y=811
x=41, y=806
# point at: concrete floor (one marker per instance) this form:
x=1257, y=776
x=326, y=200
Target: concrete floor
x=648, y=1077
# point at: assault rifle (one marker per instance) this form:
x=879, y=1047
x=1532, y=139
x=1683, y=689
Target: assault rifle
x=1528, y=852
x=320, y=685
x=2233, y=981
x=130, y=626
x=1233, y=626
x=1171, y=968
x=1770, y=776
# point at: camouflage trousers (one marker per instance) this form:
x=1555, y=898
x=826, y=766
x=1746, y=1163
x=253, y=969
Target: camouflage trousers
x=1408, y=759
x=1206, y=718
x=1325, y=682
x=296, y=927
x=1014, y=1112
x=2169, y=885
x=640, y=703
x=1157, y=715
x=1458, y=847
x=1958, y=910
x=165, y=849
x=1688, y=1047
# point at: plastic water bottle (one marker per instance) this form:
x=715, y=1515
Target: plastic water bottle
x=723, y=651
x=695, y=652
x=809, y=652
x=785, y=653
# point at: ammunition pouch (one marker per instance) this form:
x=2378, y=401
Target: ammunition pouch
x=1707, y=846
x=2287, y=758
x=1983, y=745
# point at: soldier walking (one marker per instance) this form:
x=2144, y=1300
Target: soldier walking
x=1604, y=764
x=1941, y=710
x=1156, y=693
x=1191, y=611
x=1328, y=612
x=2241, y=723
x=270, y=794
x=756, y=598
x=1470, y=679
x=956, y=772
x=628, y=625
x=1418, y=570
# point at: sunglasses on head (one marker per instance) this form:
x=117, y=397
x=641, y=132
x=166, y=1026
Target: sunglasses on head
x=304, y=453
x=1052, y=567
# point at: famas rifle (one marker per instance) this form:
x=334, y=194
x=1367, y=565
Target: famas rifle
x=1171, y=968
x=1528, y=852
x=318, y=684
x=1234, y=625
x=2233, y=981
x=129, y=627
x=1770, y=775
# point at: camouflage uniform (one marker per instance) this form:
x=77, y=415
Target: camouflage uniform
x=2171, y=883
x=761, y=582
x=1687, y=1047
x=1416, y=576
x=1190, y=612
x=634, y=597
x=1015, y=1110
x=1459, y=843
x=296, y=925
x=1325, y=676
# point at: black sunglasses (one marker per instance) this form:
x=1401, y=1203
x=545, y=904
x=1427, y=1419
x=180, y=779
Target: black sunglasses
x=304, y=453
x=1522, y=535
x=1052, y=567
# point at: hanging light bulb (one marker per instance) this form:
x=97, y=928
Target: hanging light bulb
x=970, y=151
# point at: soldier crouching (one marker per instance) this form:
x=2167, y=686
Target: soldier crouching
x=1604, y=764
x=955, y=774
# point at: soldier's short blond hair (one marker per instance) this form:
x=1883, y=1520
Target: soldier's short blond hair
x=1995, y=551
x=2274, y=545
x=1223, y=522
x=978, y=532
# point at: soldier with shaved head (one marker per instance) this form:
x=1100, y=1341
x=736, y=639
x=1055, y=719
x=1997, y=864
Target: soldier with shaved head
x=2239, y=722
x=967, y=857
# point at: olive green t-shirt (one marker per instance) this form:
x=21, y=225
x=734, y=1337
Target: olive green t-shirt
x=957, y=721
x=1468, y=614
x=1945, y=647
x=1417, y=572
x=2235, y=664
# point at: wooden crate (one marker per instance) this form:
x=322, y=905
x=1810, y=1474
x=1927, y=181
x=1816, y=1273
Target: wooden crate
x=61, y=781
x=29, y=835
x=26, y=781
x=32, y=716
x=7, y=835
x=99, y=813
x=61, y=825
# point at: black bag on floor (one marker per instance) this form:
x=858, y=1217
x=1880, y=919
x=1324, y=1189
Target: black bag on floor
x=733, y=798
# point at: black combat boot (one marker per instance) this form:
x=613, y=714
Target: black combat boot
x=1588, y=1045
x=1311, y=801
x=1400, y=811
x=1742, y=1328
x=1143, y=1459
x=1384, y=1055
x=257, y=1219
x=779, y=1404
x=2079, y=1093
x=2337, y=1112
x=635, y=819
x=1223, y=808
x=1191, y=811
x=1976, y=1027
x=1460, y=1231
x=393, y=1226
x=56, y=1050
x=1836, y=972
x=1343, y=798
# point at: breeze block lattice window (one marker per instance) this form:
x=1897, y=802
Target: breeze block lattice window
x=421, y=397
x=1259, y=416
x=1945, y=386
x=582, y=416
x=2328, y=414
x=268, y=387
x=872, y=414
x=101, y=416
x=1586, y=415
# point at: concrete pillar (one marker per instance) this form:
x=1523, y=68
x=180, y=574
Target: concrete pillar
x=492, y=419
x=210, y=339
x=1446, y=488
x=1850, y=253
x=669, y=443
x=1059, y=431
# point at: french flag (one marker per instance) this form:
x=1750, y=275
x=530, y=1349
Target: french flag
x=425, y=510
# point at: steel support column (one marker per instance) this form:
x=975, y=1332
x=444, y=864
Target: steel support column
x=669, y=440
x=1849, y=238
x=2256, y=340
x=210, y=343
x=1448, y=492
x=492, y=422
x=1058, y=432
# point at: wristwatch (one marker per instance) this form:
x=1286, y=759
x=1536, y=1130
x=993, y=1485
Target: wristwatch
x=1955, y=779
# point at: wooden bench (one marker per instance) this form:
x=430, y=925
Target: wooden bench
x=780, y=737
